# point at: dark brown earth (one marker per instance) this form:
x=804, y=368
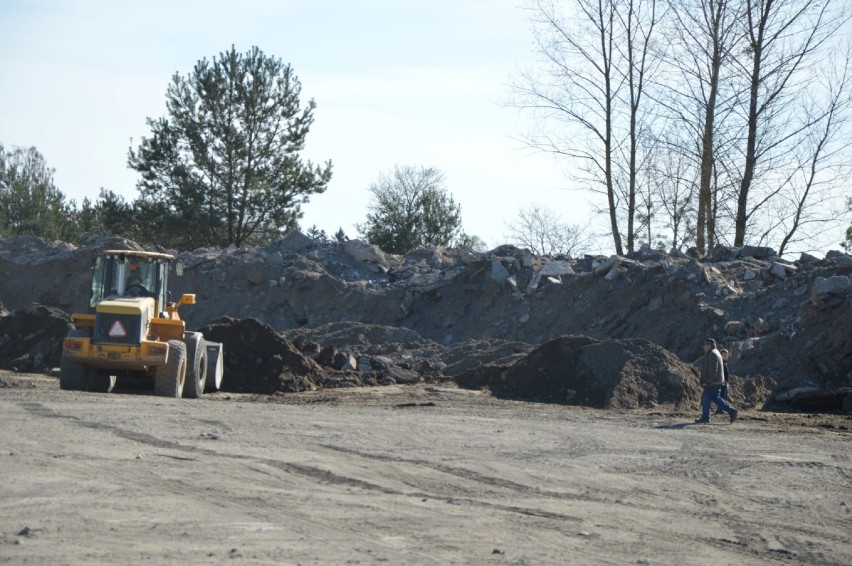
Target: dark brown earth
x=604, y=332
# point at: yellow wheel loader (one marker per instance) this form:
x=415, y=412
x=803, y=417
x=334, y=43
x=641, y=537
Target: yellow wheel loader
x=133, y=330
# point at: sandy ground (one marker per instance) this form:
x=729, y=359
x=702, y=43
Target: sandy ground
x=410, y=475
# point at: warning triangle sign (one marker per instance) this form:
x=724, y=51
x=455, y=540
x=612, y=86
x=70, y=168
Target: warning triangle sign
x=117, y=330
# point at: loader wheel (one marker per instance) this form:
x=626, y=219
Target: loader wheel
x=100, y=383
x=196, y=371
x=214, y=367
x=73, y=375
x=169, y=377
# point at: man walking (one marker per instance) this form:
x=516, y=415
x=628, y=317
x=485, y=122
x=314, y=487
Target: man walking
x=712, y=379
x=724, y=392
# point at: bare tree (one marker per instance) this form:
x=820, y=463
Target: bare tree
x=637, y=19
x=578, y=89
x=706, y=37
x=542, y=231
x=812, y=200
x=782, y=37
x=673, y=181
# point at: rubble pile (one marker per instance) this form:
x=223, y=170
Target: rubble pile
x=610, y=374
x=31, y=338
x=259, y=360
x=441, y=313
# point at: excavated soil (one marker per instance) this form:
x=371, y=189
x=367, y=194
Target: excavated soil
x=31, y=340
x=610, y=332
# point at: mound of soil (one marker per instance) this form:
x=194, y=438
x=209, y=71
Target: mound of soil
x=610, y=374
x=364, y=316
x=31, y=338
x=578, y=370
x=259, y=360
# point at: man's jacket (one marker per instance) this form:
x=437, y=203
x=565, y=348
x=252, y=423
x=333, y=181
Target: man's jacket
x=713, y=369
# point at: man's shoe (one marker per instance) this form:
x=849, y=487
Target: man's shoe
x=720, y=412
x=734, y=414
x=702, y=421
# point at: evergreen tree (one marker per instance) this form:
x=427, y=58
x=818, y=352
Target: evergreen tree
x=224, y=164
x=30, y=203
x=411, y=209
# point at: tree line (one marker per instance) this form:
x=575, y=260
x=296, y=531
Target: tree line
x=223, y=167
x=697, y=122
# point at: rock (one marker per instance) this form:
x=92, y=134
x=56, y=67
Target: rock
x=345, y=361
x=749, y=275
x=499, y=273
x=381, y=362
x=296, y=241
x=655, y=304
x=524, y=318
x=823, y=286
x=613, y=274
x=725, y=253
x=712, y=275
x=834, y=254
x=275, y=259
x=778, y=271
x=735, y=328
x=808, y=258
x=757, y=252
x=551, y=272
x=558, y=268
x=761, y=326
x=400, y=375
x=787, y=395
x=362, y=251
x=605, y=267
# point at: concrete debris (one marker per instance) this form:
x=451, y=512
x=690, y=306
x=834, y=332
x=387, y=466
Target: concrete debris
x=351, y=313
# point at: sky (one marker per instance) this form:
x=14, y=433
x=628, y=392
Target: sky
x=404, y=82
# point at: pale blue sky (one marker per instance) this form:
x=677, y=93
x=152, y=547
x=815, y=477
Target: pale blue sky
x=395, y=82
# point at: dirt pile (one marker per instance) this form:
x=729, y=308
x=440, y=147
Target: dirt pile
x=611, y=374
x=31, y=338
x=440, y=312
x=259, y=360
x=614, y=374
x=373, y=346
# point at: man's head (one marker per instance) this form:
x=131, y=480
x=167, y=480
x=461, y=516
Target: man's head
x=709, y=344
x=725, y=354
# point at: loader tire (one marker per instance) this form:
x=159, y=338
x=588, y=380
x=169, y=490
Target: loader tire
x=73, y=375
x=100, y=383
x=169, y=378
x=214, y=367
x=196, y=369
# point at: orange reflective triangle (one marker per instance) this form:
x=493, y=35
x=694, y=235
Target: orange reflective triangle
x=117, y=330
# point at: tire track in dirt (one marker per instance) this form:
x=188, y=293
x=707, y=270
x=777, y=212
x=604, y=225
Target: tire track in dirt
x=256, y=507
x=318, y=474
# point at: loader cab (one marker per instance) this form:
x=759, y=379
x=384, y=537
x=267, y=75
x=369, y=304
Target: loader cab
x=122, y=273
